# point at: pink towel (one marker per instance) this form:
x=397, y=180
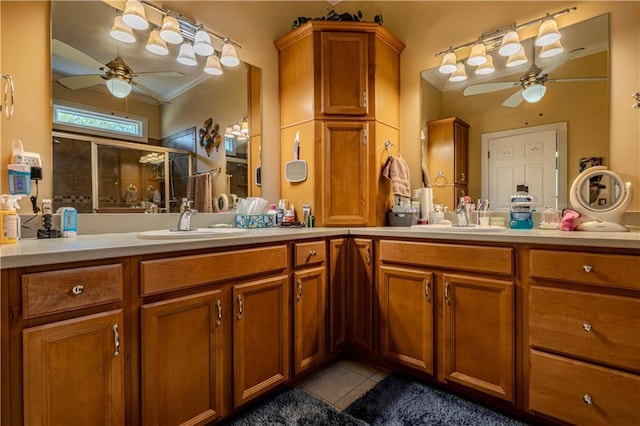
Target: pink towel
x=397, y=170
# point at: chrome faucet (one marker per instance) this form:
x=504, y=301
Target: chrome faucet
x=184, y=221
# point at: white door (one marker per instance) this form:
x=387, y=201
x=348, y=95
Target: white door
x=522, y=157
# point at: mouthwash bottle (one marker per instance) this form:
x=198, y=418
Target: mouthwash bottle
x=522, y=206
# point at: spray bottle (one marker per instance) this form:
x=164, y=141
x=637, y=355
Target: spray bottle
x=10, y=223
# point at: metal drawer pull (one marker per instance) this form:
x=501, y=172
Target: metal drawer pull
x=587, y=268
x=77, y=289
x=365, y=99
x=240, y=307
x=116, y=340
x=367, y=255
x=299, y=282
x=587, y=327
x=312, y=253
x=219, y=306
x=427, y=292
x=587, y=399
x=446, y=293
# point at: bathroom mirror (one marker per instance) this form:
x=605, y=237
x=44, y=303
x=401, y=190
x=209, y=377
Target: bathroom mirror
x=175, y=100
x=582, y=105
x=601, y=198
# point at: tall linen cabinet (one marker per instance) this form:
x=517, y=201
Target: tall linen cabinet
x=339, y=90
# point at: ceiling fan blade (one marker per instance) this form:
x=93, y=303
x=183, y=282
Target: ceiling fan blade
x=151, y=93
x=160, y=74
x=478, y=89
x=561, y=60
x=72, y=54
x=514, y=100
x=576, y=79
x=75, y=82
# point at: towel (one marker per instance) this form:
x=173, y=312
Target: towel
x=201, y=186
x=397, y=171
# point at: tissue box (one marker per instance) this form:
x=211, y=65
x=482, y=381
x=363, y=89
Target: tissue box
x=255, y=220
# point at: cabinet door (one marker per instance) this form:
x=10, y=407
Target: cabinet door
x=338, y=281
x=479, y=334
x=406, y=317
x=261, y=337
x=344, y=73
x=361, y=294
x=347, y=179
x=182, y=365
x=73, y=372
x=310, y=311
x=461, y=142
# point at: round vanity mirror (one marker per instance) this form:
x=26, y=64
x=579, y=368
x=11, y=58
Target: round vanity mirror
x=601, y=198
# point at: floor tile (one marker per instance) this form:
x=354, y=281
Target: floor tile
x=364, y=370
x=356, y=393
x=332, y=384
x=379, y=375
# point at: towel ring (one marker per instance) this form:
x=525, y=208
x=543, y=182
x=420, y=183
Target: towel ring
x=440, y=179
x=388, y=145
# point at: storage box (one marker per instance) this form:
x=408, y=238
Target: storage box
x=255, y=220
x=401, y=219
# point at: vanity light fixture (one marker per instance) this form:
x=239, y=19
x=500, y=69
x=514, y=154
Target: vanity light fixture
x=459, y=74
x=187, y=56
x=534, y=92
x=506, y=41
x=121, y=32
x=194, y=38
x=551, y=50
x=487, y=67
x=134, y=15
x=517, y=59
x=228, y=133
x=244, y=127
x=548, y=33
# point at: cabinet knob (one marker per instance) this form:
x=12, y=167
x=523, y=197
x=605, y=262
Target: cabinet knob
x=77, y=289
x=312, y=253
x=587, y=327
x=586, y=398
x=587, y=268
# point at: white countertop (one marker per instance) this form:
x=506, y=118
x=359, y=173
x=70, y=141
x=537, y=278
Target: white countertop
x=32, y=252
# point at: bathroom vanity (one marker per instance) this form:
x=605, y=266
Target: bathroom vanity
x=113, y=329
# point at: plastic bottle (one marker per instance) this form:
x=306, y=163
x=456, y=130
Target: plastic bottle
x=522, y=206
x=10, y=223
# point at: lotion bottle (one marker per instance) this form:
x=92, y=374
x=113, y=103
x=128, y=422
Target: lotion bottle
x=10, y=224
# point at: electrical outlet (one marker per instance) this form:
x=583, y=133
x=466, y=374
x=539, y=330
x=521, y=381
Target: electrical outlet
x=29, y=158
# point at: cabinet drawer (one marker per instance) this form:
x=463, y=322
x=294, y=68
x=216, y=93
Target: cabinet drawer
x=45, y=293
x=595, y=326
x=161, y=275
x=309, y=253
x=497, y=260
x=581, y=393
x=608, y=270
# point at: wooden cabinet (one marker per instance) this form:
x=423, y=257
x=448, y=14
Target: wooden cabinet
x=338, y=282
x=583, y=347
x=361, y=295
x=479, y=334
x=339, y=89
x=182, y=340
x=447, y=159
x=406, y=317
x=309, y=306
x=424, y=287
x=261, y=337
x=74, y=371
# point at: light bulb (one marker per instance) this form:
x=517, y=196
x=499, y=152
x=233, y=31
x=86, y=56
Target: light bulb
x=534, y=93
x=118, y=87
x=134, y=15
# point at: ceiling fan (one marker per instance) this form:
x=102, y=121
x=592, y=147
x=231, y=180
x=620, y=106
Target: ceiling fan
x=532, y=83
x=118, y=77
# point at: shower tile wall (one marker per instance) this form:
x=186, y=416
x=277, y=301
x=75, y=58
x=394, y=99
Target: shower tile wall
x=179, y=165
x=72, y=175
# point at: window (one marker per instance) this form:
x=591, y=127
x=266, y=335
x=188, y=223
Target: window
x=99, y=123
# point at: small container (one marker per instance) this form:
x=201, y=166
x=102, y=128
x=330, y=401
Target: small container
x=550, y=218
x=68, y=222
x=402, y=218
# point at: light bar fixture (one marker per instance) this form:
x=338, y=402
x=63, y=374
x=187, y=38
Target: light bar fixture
x=193, y=38
x=506, y=41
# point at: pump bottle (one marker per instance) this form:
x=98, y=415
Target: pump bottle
x=10, y=223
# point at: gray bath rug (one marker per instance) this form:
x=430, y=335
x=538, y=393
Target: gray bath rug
x=398, y=400
x=293, y=407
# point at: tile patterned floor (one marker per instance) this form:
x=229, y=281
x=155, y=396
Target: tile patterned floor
x=342, y=383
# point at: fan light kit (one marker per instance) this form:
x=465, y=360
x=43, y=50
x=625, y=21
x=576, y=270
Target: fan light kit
x=506, y=41
x=194, y=40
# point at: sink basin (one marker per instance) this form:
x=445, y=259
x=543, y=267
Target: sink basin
x=453, y=228
x=167, y=234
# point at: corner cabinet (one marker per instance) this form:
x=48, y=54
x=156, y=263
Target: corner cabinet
x=339, y=90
